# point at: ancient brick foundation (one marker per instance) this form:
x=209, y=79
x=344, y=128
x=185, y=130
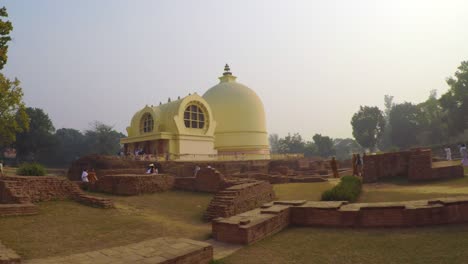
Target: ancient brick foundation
x=254, y=225
x=239, y=198
x=8, y=256
x=22, y=191
x=415, y=165
x=133, y=184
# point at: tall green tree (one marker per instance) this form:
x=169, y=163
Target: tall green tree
x=324, y=145
x=368, y=126
x=35, y=143
x=13, y=117
x=274, y=143
x=404, y=120
x=291, y=144
x=70, y=146
x=102, y=139
x=455, y=101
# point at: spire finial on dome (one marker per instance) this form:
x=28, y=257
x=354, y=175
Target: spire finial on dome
x=227, y=70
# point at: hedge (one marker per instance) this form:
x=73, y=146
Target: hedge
x=31, y=169
x=348, y=189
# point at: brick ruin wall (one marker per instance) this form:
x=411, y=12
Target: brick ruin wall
x=415, y=165
x=133, y=184
x=108, y=165
x=254, y=225
x=239, y=198
x=17, y=193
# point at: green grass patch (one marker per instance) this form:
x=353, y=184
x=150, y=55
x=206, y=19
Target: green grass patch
x=439, y=244
x=66, y=227
x=301, y=191
x=348, y=189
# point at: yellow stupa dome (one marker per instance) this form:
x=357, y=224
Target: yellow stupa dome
x=240, y=117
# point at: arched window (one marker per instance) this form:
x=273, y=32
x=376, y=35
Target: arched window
x=194, y=117
x=147, y=123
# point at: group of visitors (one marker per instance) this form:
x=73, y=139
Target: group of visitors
x=89, y=176
x=463, y=154
x=357, y=163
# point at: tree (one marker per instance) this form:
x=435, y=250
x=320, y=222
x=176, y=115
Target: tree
x=455, y=101
x=291, y=144
x=5, y=28
x=344, y=148
x=368, y=126
x=102, y=139
x=70, y=145
x=324, y=145
x=433, y=129
x=274, y=143
x=13, y=117
x=39, y=139
x=404, y=120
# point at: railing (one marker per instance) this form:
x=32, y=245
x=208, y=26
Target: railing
x=212, y=157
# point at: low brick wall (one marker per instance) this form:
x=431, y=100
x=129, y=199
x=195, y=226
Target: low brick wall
x=134, y=184
x=415, y=165
x=239, y=198
x=206, y=180
x=30, y=189
x=8, y=256
x=254, y=225
x=18, y=209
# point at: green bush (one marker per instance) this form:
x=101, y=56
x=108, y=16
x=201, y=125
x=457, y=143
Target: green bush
x=348, y=189
x=31, y=169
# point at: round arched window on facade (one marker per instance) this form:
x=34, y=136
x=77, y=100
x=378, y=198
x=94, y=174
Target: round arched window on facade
x=194, y=117
x=147, y=123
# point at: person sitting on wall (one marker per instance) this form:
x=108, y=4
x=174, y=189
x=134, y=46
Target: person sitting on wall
x=84, y=175
x=334, y=167
x=152, y=169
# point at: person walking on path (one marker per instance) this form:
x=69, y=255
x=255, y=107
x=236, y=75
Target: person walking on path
x=358, y=165
x=464, y=155
x=334, y=167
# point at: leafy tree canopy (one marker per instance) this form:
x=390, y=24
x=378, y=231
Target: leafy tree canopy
x=368, y=126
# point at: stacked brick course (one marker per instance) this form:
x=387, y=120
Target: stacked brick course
x=254, y=225
x=22, y=191
x=239, y=198
x=134, y=184
x=416, y=165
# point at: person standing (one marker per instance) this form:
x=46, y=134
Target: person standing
x=448, y=153
x=1, y=168
x=358, y=165
x=84, y=175
x=464, y=155
x=334, y=167
x=353, y=163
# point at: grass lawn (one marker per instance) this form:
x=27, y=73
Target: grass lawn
x=302, y=191
x=66, y=227
x=443, y=244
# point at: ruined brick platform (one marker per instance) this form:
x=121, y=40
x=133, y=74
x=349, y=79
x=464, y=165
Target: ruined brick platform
x=161, y=250
x=17, y=193
x=132, y=184
x=415, y=165
x=239, y=198
x=254, y=225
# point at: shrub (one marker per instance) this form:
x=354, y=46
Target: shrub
x=31, y=169
x=348, y=189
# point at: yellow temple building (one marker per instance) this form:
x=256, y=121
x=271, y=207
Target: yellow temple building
x=227, y=122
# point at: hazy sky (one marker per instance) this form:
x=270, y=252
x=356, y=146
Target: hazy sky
x=313, y=63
